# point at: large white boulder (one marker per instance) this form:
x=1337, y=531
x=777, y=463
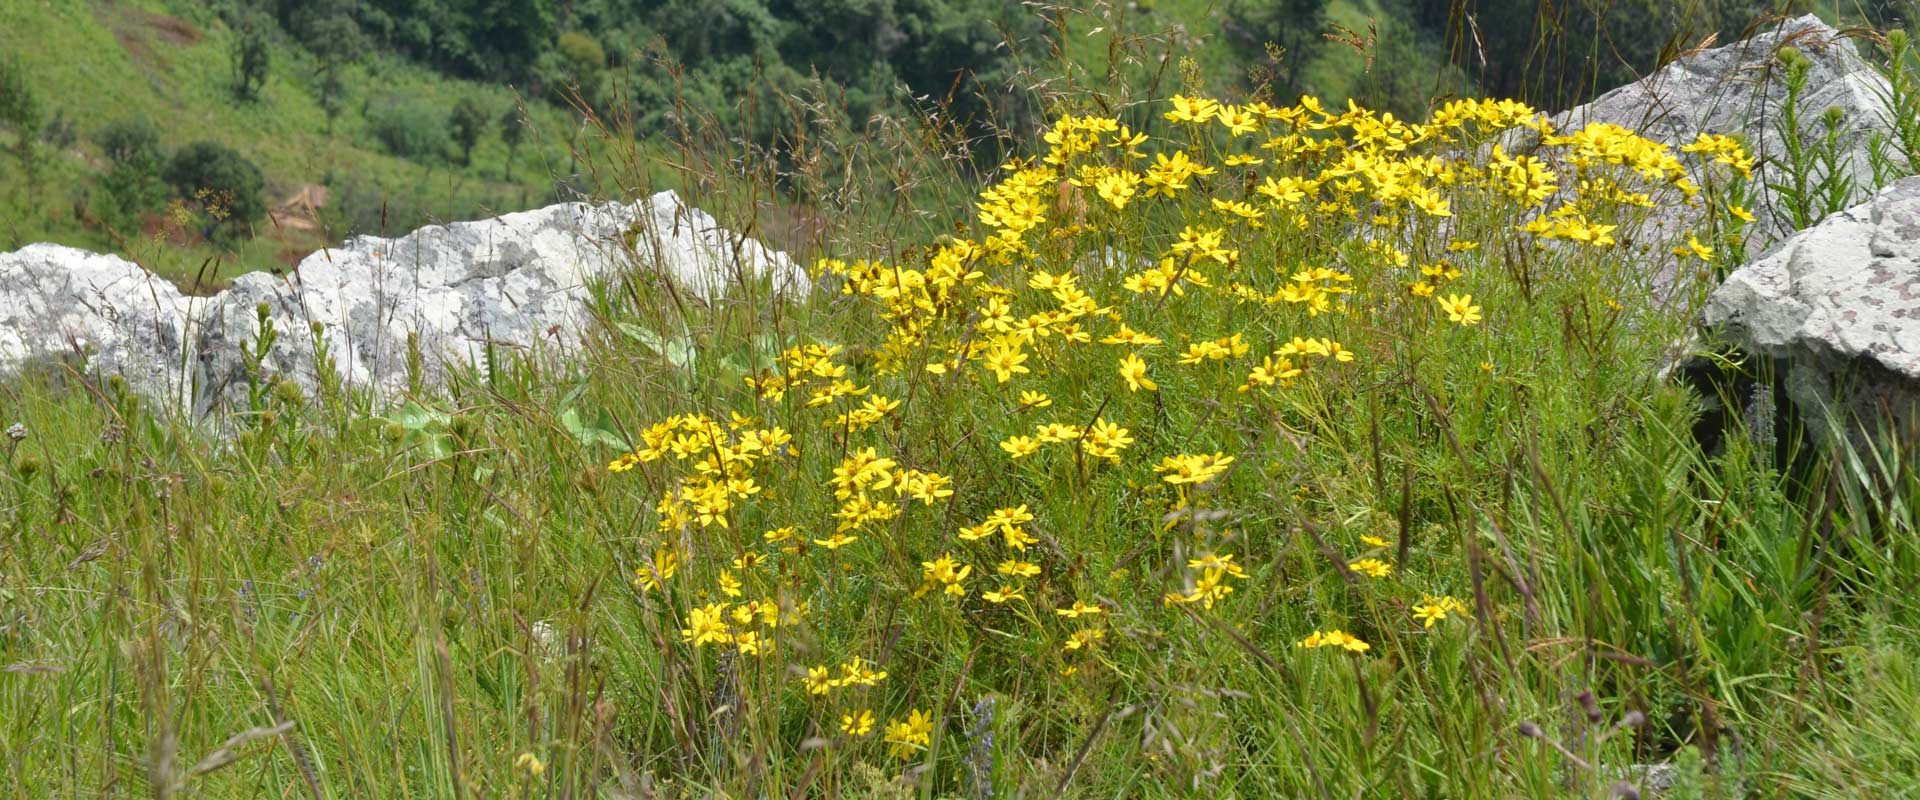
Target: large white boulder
x=1741, y=89
x=65, y=305
x=514, y=282
x=1837, y=308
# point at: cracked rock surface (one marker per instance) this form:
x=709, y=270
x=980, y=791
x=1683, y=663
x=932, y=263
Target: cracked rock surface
x=1838, y=306
x=516, y=282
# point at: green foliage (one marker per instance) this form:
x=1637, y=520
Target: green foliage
x=252, y=54
x=407, y=129
x=443, y=594
x=513, y=129
x=19, y=104
x=335, y=40
x=1902, y=71
x=740, y=59
x=132, y=184
x=132, y=141
x=1296, y=27
x=1558, y=55
x=579, y=63
x=225, y=184
x=1815, y=181
x=491, y=39
x=582, y=51
x=466, y=123
x=170, y=62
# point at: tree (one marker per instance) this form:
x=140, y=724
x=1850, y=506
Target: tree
x=132, y=184
x=467, y=122
x=19, y=106
x=251, y=55
x=512, y=130
x=1297, y=27
x=224, y=183
x=585, y=66
x=335, y=40
x=498, y=39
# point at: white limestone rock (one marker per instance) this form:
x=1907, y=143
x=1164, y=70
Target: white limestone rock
x=514, y=282
x=62, y=304
x=1741, y=89
x=1838, y=305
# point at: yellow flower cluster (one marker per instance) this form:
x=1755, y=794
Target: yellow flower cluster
x=1334, y=638
x=1432, y=609
x=1253, y=239
x=748, y=627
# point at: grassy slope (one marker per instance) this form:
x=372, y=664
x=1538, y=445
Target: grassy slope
x=133, y=66
x=433, y=599
x=82, y=70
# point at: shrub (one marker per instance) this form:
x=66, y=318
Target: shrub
x=133, y=141
x=251, y=55
x=225, y=184
x=406, y=130
x=19, y=104
x=583, y=52
x=132, y=184
x=467, y=122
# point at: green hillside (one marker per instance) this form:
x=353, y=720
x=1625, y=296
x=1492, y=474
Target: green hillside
x=1137, y=437
x=93, y=63
x=779, y=74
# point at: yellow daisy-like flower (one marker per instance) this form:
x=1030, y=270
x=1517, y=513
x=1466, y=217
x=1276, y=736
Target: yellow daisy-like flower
x=857, y=724
x=1372, y=567
x=1134, y=370
x=1085, y=637
x=1005, y=359
x=906, y=737
x=707, y=624
x=1131, y=337
x=1192, y=110
x=837, y=541
x=1019, y=447
x=1695, y=248
x=1118, y=188
x=1003, y=594
x=1181, y=470
x=650, y=576
x=1334, y=638
x=1079, y=609
x=1460, y=308
x=1017, y=568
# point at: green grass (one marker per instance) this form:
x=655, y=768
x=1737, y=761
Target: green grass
x=439, y=592
x=95, y=62
x=435, y=595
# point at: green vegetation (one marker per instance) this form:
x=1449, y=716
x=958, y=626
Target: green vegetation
x=1333, y=470
x=152, y=64
x=377, y=116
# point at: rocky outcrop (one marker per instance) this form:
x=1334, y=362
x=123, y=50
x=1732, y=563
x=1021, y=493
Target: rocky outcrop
x=63, y=305
x=515, y=283
x=1741, y=89
x=1836, y=310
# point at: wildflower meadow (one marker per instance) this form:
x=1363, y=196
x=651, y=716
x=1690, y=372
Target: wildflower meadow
x=1201, y=448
